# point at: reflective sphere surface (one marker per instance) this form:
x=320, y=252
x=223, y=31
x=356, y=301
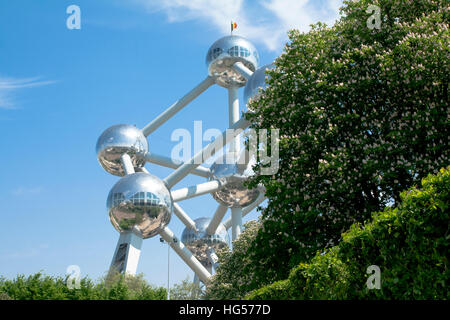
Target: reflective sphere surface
x=224, y=53
x=199, y=242
x=234, y=193
x=140, y=202
x=257, y=81
x=118, y=140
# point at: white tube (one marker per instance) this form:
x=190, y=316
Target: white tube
x=217, y=218
x=236, y=222
x=243, y=70
x=127, y=164
x=177, y=106
x=167, y=162
x=196, y=280
x=185, y=254
x=206, y=152
x=187, y=221
x=144, y=170
x=197, y=190
x=233, y=113
x=247, y=209
x=212, y=257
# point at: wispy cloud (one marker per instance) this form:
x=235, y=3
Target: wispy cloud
x=20, y=191
x=27, y=253
x=10, y=86
x=266, y=22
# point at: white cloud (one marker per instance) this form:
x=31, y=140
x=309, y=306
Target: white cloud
x=8, y=87
x=27, y=253
x=20, y=191
x=266, y=22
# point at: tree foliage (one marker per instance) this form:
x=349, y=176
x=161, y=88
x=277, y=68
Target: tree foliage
x=186, y=290
x=410, y=244
x=363, y=114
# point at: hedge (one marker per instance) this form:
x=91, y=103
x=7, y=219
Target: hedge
x=410, y=245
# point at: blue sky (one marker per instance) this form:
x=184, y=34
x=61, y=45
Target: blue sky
x=60, y=88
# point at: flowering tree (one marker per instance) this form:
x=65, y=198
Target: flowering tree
x=362, y=109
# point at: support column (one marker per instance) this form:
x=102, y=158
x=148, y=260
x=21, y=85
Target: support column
x=233, y=113
x=212, y=257
x=196, y=280
x=127, y=253
x=236, y=222
x=197, y=287
x=209, y=268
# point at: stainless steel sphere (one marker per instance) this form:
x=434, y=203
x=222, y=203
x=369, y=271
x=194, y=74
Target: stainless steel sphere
x=117, y=140
x=257, y=81
x=234, y=193
x=140, y=202
x=199, y=242
x=224, y=53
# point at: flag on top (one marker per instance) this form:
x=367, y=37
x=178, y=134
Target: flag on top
x=233, y=26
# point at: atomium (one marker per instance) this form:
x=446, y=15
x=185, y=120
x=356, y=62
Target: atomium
x=140, y=202
x=118, y=140
x=234, y=172
x=199, y=242
x=224, y=53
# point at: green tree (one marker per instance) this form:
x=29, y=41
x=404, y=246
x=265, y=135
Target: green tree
x=362, y=113
x=118, y=286
x=186, y=290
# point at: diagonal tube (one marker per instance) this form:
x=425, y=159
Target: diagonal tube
x=217, y=218
x=242, y=70
x=185, y=254
x=127, y=164
x=197, y=190
x=177, y=106
x=183, y=216
x=167, y=162
x=206, y=152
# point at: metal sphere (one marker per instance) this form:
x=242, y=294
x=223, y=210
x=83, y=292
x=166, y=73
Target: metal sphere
x=224, y=53
x=257, y=81
x=234, y=193
x=118, y=140
x=140, y=202
x=199, y=242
